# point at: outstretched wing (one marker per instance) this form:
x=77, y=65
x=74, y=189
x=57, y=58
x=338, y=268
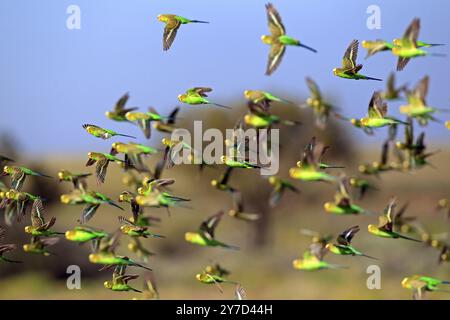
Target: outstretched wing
x=200, y=90
x=170, y=32
x=386, y=220
x=412, y=32
x=377, y=108
x=345, y=238
x=120, y=104
x=101, y=169
x=350, y=55
x=208, y=226
x=313, y=88
x=276, y=26
x=37, y=214
x=276, y=54
x=226, y=176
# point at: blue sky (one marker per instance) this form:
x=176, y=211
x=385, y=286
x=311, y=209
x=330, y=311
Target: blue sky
x=54, y=79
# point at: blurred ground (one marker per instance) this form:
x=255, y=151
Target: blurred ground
x=266, y=273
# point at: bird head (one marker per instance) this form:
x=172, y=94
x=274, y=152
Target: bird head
x=70, y=234
x=443, y=203
x=12, y=194
x=335, y=71
x=266, y=39
x=353, y=182
x=354, y=121
x=182, y=97
x=372, y=228
x=397, y=42
x=248, y=118
x=273, y=180
x=125, y=196
x=28, y=229
x=328, y=206
x=189, y=236
x=405, y=283
x=297, y=263
x=93, y=258
x=214, y=182
x=232, y=213
x=63, y=175
x=65, y=199
x=107, y=284
x=6, y=170
x=108, y=114
x=27, y=247
x=223, y=159
x=199, y=277
x=162, y=18
x=166, y=142
x=329, y=246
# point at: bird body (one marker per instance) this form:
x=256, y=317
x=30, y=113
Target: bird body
x=102, y=133
x=110, y=259
x=421, y=284
x=385, y=227
x=349, y=69
x=310, y=262
x=39, y=245
x=197, y=96
x=173, y=23
x=18, y=175
x=77, y=179
x=102, y=160
x=343, y=245
x=237, y=163
x=119, y=112
x=204, y=236
x=39, y=227
x=377, y=114
x=278, y=39
x=84, y=234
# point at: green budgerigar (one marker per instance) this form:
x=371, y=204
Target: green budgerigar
x=119, y=112
x=102, y=133
x=310, y=167
x=84, y=234
x=198, y=96
x=377, y=114
x=278, y=39
x=385, y=227
x=133, y=230
x=343, y=245
x=409, y=47
x=120, y=280
x=349, y=69
x=421, y=284
x=343, y=203
x=38, y=245
x=38, y=225
x=173, y=23
x=205, y=236
x=18, y=175
x=102, y=160
x=77, y=179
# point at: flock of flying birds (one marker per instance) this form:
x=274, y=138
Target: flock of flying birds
x=150, y=190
